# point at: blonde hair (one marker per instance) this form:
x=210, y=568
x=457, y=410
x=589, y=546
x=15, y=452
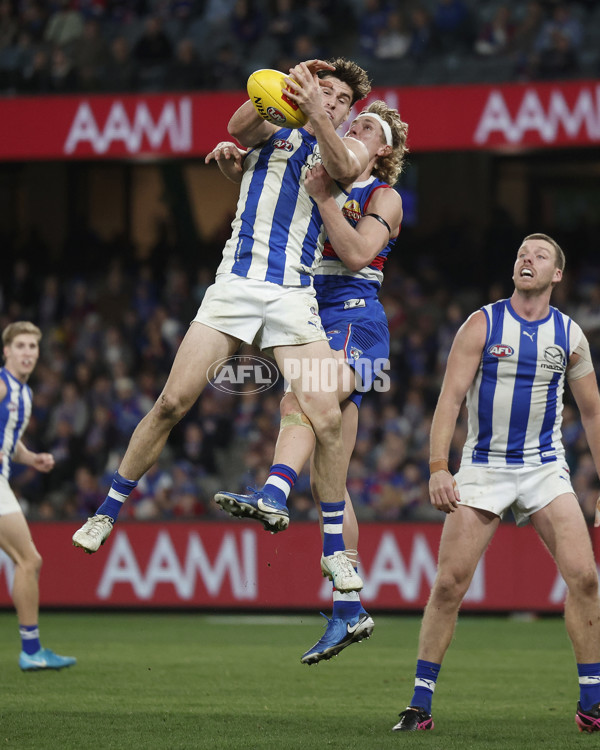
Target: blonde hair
x=388, y=168
x=12, y=330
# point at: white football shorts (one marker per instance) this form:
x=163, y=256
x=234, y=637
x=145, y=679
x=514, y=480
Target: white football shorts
x=8, y=500
x=260, y=312
x=523, y=489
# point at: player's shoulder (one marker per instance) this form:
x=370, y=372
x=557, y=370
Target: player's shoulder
x=473, y=332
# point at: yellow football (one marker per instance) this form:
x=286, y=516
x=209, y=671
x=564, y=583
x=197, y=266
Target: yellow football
x=267, y=91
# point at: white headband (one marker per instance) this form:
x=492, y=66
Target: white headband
x=387, y=131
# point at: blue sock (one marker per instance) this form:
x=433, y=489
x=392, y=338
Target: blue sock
x=425, y=679
x=120, y=489
x=280, y=481
x=333, y=520
x=346, y=605
x=30, y=638
x=589, y=685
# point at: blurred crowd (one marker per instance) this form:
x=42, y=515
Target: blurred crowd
x=68, y=46
x=111, y=332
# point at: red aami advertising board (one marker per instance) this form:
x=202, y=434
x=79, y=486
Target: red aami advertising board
x=237, y=565
x=508, y=116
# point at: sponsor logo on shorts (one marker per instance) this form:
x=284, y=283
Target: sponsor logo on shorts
x=501, y=350
x=350, y=304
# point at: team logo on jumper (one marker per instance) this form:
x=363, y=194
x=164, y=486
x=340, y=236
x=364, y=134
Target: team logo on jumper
x=282, y=144
x=352, y=211
x=555, y=359
x=355, y=353
x=243, y=374
x=501, y=350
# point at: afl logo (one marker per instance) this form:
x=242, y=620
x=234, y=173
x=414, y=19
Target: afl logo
x=501, y=350
x=276, y=115
x=284, y=145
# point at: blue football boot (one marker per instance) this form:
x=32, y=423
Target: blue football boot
x=44, y=659
x=339, y=633
x=259, y=505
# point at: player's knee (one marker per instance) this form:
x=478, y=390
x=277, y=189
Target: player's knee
x=584, y=583
x=31, y=563
x=169, y=408
x=327, y=423
x=450, y=587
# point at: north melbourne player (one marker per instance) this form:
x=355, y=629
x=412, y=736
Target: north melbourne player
x=263, y=292
x=21, y=351
x=511, y=360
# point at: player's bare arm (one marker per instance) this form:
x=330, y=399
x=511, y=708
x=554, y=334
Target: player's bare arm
x=463, y=361
x=248, y=127
x=230, y=160
x=356, y=246
x=585, y=393
x=327, y=103
x=43, y=462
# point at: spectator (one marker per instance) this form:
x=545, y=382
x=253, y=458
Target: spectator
x=120, y=72
x=393, y=41
x=424, y=42
x=371, y=23
x=8, y=25
x=62, y=75
x=90, y=52
x=34, y=75
x=64, y=26
x=247, y=24
x=153, y=52
x=453, y=23
x=495, y=37
x=186, y=71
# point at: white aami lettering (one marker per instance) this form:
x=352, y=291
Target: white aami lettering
x=8, y=566
x=389, y=569
x=239, y=566
x=584, y=115
x=174, y=124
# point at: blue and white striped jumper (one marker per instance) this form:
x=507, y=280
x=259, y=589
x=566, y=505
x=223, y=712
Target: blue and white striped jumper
x=15, y=410
x=515, y=403
x=277, y=233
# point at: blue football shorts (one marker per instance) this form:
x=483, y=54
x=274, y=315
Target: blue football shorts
x=361, y=332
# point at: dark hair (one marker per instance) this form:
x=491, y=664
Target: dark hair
x=352, y=74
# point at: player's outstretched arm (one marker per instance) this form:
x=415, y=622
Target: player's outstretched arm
x=229, y=159
x=344, y=161
x=248, y=127
x=463, y=361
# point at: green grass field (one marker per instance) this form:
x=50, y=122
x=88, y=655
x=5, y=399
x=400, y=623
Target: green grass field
x=207, y=681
